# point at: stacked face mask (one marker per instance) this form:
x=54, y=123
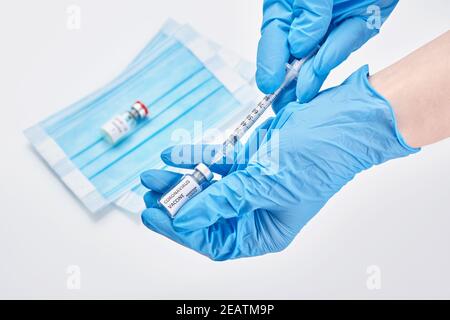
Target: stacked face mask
x=183, y=78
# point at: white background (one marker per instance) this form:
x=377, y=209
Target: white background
x=396, y=216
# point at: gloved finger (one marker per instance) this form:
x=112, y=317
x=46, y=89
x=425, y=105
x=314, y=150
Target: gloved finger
x=239, y=193
x=273, y=47
x=310, y=25
x=340, y=43
x=151, y=199
x=347, y=37
x=218, y=242
x=287, y=96
x=189, y=155
x=226, y=239
x=159, y=180
x=309, y=82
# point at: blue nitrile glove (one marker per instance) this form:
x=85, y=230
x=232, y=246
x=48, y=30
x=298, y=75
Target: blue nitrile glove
x=309, y=152
x=294, y=28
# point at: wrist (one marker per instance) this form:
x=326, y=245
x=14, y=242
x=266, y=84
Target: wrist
x=378, y=103
x=386, y=84
x=417, y=89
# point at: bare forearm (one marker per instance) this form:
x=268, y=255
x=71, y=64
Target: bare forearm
x=418, y=88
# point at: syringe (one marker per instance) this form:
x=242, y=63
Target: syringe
x=291, y=74
x=192, y=184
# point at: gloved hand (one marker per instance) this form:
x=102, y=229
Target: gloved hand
x=304, y=156
x=293, y=28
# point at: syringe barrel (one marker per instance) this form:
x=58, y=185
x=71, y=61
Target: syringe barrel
x=252, y=117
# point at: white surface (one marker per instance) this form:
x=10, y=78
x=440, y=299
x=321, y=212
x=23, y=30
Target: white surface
x=396, y=216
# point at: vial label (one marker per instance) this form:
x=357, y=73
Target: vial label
x=117, y=127
x=185, y=190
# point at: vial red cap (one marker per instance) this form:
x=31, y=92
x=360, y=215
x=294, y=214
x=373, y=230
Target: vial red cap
x=142, y=107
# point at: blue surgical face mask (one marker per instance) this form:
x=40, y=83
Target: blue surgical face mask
x=182, y=78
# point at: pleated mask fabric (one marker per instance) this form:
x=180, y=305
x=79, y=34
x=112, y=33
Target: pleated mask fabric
x=182, y=77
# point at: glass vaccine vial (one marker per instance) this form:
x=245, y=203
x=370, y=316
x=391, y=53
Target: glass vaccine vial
x=185, y=189
x=121, y=125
